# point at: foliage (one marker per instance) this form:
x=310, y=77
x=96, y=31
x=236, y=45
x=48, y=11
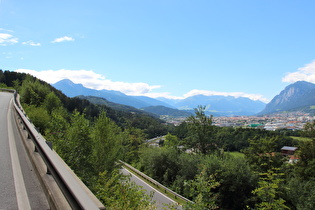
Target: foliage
x=39, y=116
x=268, y=191
x=235, y=177
x=171, y=141
x=201, y=131
x=79, y=143
x=301, y=194
x=261, y=155
x=2, y=85
x=160, y=163
x=106, y=139
x=33, y=92
x=131, y=144
x=116, y=192
x=202, y=188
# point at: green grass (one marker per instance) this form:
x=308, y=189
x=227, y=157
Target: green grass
x=301, y=138
x=237, y=154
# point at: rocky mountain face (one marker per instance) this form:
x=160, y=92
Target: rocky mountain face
x=297, y=95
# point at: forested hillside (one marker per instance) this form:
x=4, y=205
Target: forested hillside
x=217, y=168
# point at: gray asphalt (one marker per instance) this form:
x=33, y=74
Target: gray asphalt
x=19, y=186
x=161, y=201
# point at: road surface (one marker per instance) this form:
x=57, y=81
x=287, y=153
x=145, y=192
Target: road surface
x=19, y=186
x=161, y=201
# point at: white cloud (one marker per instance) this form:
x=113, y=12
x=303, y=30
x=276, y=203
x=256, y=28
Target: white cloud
x=306, y=73
x=92, y=80
x=63, y=39
x=6, y=39
x=31, y=43
x=96, y=81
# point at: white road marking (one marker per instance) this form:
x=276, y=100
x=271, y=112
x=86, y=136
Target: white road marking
x=21, y=194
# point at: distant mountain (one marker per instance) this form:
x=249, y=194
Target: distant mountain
x=222, y=105
x=71, y=90
x=162, y=110
x=215, y=105
x=300, y=95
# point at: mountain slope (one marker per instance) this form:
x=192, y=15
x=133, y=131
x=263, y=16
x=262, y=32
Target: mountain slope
x=297, y=95
x=221, y=105
x=71, y=90
x=115, y=106
x=162, y=110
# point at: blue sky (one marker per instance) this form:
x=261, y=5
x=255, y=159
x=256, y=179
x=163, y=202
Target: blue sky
x=171, y=48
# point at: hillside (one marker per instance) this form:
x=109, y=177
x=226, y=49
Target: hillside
x=115, y=106
x=71, y=90
x=295, y=97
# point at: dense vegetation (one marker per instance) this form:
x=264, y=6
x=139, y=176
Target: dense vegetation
x=208, y=174
x=194, y=160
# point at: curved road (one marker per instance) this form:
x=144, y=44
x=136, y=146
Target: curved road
x=161, y=200
x=19, y=186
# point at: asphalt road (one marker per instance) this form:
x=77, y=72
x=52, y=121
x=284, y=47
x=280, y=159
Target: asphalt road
x=161, y=201
x=19, y=186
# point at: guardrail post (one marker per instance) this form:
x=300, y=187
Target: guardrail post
x=50, y=144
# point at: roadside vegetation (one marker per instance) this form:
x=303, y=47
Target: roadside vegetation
x=217, y=168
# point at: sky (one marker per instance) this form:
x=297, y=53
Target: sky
x=163, y=48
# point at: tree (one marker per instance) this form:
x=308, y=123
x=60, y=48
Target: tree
x=235, y=177
x=79, y=144
x=202, y=189
x=261, y=154
x=201, y=131
x=51, y=102
x=107, y=143
x=117, y=192
x=57, y=129
x=131, y=144
x=160, y=163
x=305, y=167
x=39, y=117
x=171, y=141
x=33, y=92
x=268, y=192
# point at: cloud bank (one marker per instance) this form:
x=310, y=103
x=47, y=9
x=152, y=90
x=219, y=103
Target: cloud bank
x=306, y=73
x=92, y=80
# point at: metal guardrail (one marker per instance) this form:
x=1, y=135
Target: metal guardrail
x=71, y=188
x=159, y=185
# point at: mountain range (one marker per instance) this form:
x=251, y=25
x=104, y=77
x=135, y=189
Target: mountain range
x=215, y=105
x=299, y=96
